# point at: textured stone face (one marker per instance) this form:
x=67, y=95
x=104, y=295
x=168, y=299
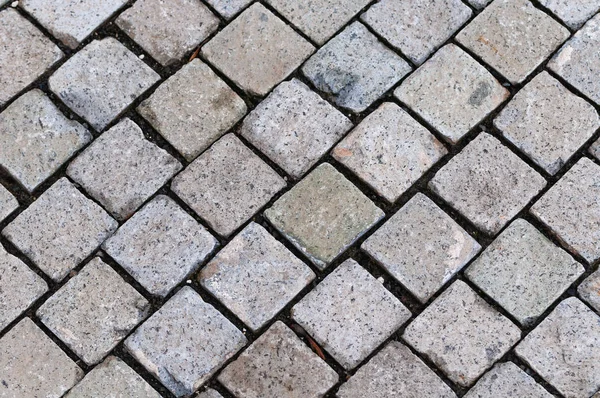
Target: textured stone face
x=589, y=290
x=37, y=138
x=389, y=150
x=257, y=50
x=255, y=276
x=487, y=183
x=323, y=215
x=121, y=169
x=573, y=13
x=350, y=314
x=209, y=393
x=101, y=80
x=227, y=185
x=421, y=247
x=452, y=92
x=156, y=25
x=25, y=54
x=228, y=8
x=8, y=203
x=278, y=364
x=60, y=229
x=355, y=68
x=479, y=4
x=507, y=380
x=395, y=371
x=513, y=37
x=294, y=127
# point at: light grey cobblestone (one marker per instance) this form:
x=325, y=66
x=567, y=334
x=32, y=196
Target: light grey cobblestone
x=209, y=393
x=8, y=203
x=507, y=380
x=589, y=290
x=228, y=8
x=479, y=4
x=574, y=14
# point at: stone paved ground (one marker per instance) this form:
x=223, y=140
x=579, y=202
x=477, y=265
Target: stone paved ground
x=300, y=198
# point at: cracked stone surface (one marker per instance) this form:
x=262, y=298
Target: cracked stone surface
x=507, y=380
x=8, y=203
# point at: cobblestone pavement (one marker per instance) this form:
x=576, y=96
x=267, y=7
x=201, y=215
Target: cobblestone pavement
x=300, y=198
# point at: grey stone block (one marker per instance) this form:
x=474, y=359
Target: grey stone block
x=8, y=203
x=121, y=169
x=479, y=4
x=227, y=184
x=323, y=215
x=507, y=380
x=350, y=314
x=209, y=393
x=462, y=334
x=160, y=245
x=228, y=8
x=294, y=127
x=574, y=14
x=594, y=149
x=589, y=290
x=355, y=68
x=487, y=183
x=60, y=229
x=278, y=364
x=452, y=92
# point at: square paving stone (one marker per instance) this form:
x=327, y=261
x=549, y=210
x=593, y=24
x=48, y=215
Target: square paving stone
x=101, y=80
x=227, y=185
x=461, y=334
x=33, y=366
x=71, y=21
x=578, y=61
x=589, y=290
x=479, y=4
x=8, y=203
x=452, y=92
x=60, y=229
x=25, y=54
x=278, y=364
x=524, y=271
x=507, y=380
x=255, y=276
x=513, y=37
x=113, y=379
x=350, y=314
x=257, y=50
x=228, y=8
x=37, y=139
x=421, y=247
x=417, y=27
x=160, y=245
x=565, y=349
x=547, y=122
x=323, y=215
x=156, y=25
x=185, y=342
x=94, y=311
x=318, y=19
x=389, y=151
x=572, y=211
x=209, y=393
x=121, y=169
x=193, y=108
x=20, y=287
x=395, y=372
x=572, y=13
x=487, y=183
x=294, y=127
x=355, y=68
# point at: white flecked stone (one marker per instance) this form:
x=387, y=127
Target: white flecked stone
x=228, y=8
x=589, y=290
x=421, y=247
x=60, y=229
x=524, y=271
x=452, y=92
x=101, y=80
x=193, y=108
x=34, y=366
x=160, y=245
x=20, y=287
x=25, y=54
x=395, y=372
x=572, y=13
x=121, y=169
x=565, y=349
x=479, y=4
x=389, y=150
x=487, y=183
x=355, y=68
x=209, y=393
x=547, y=122
x=71, y=21
x=507, y=380
x=513, y=37
x=37, y=138
x=461, y=334
x=294, y=127
x=255, y=276
x=350, y=314
x=257, y=50
x=156, y=25
x=417, y=27
x=185, y=342
x=8, y=203
x=278, y=364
